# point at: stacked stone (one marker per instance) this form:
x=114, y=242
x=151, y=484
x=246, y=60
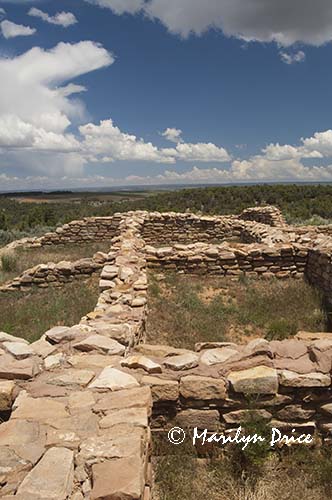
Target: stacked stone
x=79, y=426
x=269, y=215
x=319, y=270
x=55, y=274
x=170, y=227
x=289, y=380
x=282, y=261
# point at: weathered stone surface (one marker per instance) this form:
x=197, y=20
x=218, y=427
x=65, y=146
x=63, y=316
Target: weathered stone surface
x=214, y=356
x=258, y=380
x=6, y=394
x=60, y=334
x=19, y=350
x=93, y=361
x=201, y=346
x=290, y=348
x=40, y=409
x=118, y=480
x=72, y=377
x=243, y=416
x=111, y=445
x=138, y=397
x=43, y=348
x=80, y=401
x=202, y=388
x=53, y=361
x=161, y=389
x=111, y=378
x=51, y=478
x=11, y=368
x=137, y=417
x=159, y=351
x=66, y=439
x=202, y=419
x=182, y=362
x=142, y=362
x=26, y=438
x=292, y=379
x=311, y=336
x=295, y=412
x=101, y=344
x=6, y=337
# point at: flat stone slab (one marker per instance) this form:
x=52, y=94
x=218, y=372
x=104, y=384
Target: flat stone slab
x=291, y=379
x=142, y=362
x=214, y=356
x=40, y=409
x=6, y=337
x=19, y=350
x=72, y=377
x=159, y=351
x=113, y=379
x=137, y=417
x=202, y=388
x=257, y=380
x=138, y=397
x=100, y=343
x=60, y=334
x=182, y=362
x=11, y=368
x=118, y=479
x=52, y=478
x=43, y=348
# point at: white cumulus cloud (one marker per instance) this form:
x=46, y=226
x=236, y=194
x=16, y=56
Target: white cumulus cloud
x=112, y=144
x=12, y=30
x=64, y=19
x=173, y=135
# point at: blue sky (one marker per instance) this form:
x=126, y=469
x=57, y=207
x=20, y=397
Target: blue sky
x=164, y=92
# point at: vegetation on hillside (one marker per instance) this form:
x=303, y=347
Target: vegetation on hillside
x=299, y=203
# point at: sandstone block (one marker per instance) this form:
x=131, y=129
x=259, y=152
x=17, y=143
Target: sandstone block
x=202, y=388
x=257, y=380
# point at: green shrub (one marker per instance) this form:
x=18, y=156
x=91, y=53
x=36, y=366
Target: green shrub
x=9, y=262
x=280, y=329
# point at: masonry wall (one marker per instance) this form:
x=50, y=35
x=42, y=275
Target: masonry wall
x=254, y=261
x=165, y=228
x=269, y=215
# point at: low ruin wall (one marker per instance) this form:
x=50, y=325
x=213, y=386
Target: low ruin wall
x=268, y=215
x=82, y=399
x=219, y=260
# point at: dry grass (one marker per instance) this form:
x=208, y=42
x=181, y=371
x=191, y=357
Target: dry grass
x=300, y=474
x=14, y=263
x=184, y=309
x=29, y=315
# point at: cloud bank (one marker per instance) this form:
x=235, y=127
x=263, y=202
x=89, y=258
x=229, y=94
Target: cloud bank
x=282, y=21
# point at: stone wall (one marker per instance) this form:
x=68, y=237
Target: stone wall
x=170, y=227
x=269, y=215
x=81, y=399
x=282, y=261
x=54, y=274
x=78, y=231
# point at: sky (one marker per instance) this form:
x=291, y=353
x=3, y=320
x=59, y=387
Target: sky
x=103, y=93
